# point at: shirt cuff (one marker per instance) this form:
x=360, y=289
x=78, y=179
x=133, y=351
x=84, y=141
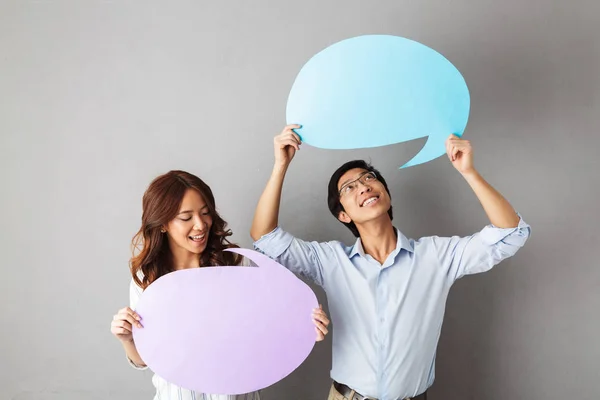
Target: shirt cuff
x=491, y=234
x=274, y=243
x=134, y=365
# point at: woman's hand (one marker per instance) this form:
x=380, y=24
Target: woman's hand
x=122, y=324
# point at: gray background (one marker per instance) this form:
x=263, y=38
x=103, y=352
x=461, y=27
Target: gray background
x=97, y=98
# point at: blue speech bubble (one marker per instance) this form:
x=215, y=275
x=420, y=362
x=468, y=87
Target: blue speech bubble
x=377, y=90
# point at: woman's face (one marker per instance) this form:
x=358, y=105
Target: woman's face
x=189, y=230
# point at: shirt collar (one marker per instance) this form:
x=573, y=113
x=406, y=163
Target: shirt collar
x=401, y=243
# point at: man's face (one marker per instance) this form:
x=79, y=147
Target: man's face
x=363, y=196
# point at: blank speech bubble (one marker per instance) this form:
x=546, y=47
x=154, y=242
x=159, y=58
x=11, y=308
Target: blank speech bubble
x=377, y=90
x=226, y=330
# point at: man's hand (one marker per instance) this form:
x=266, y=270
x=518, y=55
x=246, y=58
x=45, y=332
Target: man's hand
x=460, y=154
x=286, y=144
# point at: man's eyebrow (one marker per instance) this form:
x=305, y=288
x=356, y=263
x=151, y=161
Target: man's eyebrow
x=346, y=181
x=353, y=179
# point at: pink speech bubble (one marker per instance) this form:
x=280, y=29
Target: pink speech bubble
x=226, y=330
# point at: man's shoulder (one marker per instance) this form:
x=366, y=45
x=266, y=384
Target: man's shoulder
x=334, y=244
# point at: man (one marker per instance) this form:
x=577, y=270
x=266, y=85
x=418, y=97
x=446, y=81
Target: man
x=386, y=293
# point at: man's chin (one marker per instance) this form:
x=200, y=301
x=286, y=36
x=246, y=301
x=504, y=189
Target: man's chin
x=374, y=214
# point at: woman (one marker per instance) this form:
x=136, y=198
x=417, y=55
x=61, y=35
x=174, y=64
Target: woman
x=180, y=229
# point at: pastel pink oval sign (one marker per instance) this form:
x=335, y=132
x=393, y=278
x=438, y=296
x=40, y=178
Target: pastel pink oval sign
x=226, y=330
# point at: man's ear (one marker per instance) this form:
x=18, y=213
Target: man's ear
x=343, y=217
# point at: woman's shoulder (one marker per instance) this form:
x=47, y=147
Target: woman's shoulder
x=246, y=262
x=133, y=284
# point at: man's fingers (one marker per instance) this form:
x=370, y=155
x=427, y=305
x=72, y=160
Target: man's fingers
x=288, y=142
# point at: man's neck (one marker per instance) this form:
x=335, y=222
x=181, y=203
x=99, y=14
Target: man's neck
x=378, y=239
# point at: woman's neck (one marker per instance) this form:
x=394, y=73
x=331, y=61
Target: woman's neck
x=184, y=260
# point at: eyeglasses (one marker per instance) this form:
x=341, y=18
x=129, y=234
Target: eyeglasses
x=350, y=187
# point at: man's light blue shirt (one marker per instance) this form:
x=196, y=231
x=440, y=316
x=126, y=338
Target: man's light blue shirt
x=387, y=318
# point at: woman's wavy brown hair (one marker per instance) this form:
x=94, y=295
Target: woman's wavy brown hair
x=160, y=205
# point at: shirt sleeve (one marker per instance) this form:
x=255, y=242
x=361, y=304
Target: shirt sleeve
x=134, y=296
x=461, y=256
x=302, y=258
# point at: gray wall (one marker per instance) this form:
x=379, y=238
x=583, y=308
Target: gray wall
x=97, y=98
